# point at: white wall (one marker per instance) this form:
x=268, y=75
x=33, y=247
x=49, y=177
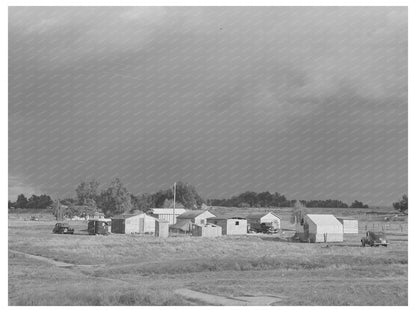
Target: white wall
x=270, y=218
x=234, y=229
x=350, y=226
x=202, y=218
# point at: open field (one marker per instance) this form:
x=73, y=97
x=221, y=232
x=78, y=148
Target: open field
x=48, y=269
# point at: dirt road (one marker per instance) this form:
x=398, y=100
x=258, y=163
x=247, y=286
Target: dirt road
x=227, y=301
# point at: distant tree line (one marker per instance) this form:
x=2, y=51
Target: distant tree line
x=267, y=199
x=34, y=202
x=253, y=199
x=114, y=198
x=327, y=203
x=186, y=195
x=401, y=205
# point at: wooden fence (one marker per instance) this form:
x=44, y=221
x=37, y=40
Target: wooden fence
x=384, y=227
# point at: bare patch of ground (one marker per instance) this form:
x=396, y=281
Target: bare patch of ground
x=60, y=264
x=48, y=269
x=227, y=301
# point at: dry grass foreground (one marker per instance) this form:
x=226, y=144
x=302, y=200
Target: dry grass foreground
x=138, y=270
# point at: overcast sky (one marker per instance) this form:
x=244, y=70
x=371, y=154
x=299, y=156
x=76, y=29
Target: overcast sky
x=308, y=102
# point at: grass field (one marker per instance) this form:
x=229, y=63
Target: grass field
x=143, y=270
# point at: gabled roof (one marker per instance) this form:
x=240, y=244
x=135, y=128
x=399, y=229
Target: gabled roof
x=181, y=225
x=126, y=215
x=192, y=214
x=260, y=215
x=207, y=225
x=347, y=218
x=226, y=217
x=167, y=210
x=160, y=220
x=323, y=219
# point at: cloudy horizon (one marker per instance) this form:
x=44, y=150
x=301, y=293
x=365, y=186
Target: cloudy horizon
x=310, y=102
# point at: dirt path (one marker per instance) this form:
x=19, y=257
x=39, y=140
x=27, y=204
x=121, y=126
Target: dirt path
x=227, y=301
x=44, y=259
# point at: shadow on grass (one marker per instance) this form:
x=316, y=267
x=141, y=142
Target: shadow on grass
x=274, y=238
x=346, y=245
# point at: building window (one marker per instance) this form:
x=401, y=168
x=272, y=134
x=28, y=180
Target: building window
x=237, y=222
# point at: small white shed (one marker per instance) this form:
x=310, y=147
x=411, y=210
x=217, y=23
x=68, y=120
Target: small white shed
x=350, y=225
x=268, y=218
x=206, y=230
x=161, y=228
x=230, y=225
x=319, y=228
x=196, y=216
x=133, y=223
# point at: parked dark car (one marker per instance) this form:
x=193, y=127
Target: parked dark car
x=62, y=228
x=374, y=239
x=262, y=228
x=34, y=218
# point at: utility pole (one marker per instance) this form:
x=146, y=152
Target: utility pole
x=58, y=210
x=174, y=200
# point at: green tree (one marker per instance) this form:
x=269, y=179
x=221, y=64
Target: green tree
x=160, y=197
x=187, y=195
x=69, y=201
x=87, y=193
x=115, y=199
x=298, y=212
x=10, y=204
x=143, y=202
x=249, y=198
x=358, y=204
x=264, y=199
x=401, y=205
x=58, y=210
x=79, y=210
x=21, y=201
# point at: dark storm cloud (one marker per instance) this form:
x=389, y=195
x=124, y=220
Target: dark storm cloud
x=311, y=102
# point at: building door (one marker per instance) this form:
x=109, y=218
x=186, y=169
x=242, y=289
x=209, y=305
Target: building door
x=141, y=225
x=306, y=231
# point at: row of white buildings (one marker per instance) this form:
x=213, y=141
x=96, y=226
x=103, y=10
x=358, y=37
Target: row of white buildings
x=161, y=221
x=317, y=228
x=197, y=222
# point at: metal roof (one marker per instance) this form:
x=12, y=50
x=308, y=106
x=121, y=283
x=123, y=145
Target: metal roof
x=225, y=217
x=126, y=216
x=181, y=225
x=192, y=214
x=207, y=225
x=167, y=210
x=160, y=220
x=322, y=219
x=347, y=218
x=261, y=215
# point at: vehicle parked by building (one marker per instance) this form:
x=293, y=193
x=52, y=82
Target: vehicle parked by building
x=262, y=228
x=62, y=228
x=374, y=239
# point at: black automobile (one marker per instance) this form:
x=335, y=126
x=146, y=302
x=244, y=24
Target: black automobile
x=374, y=239
x=62, y=228
x=262, y=228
